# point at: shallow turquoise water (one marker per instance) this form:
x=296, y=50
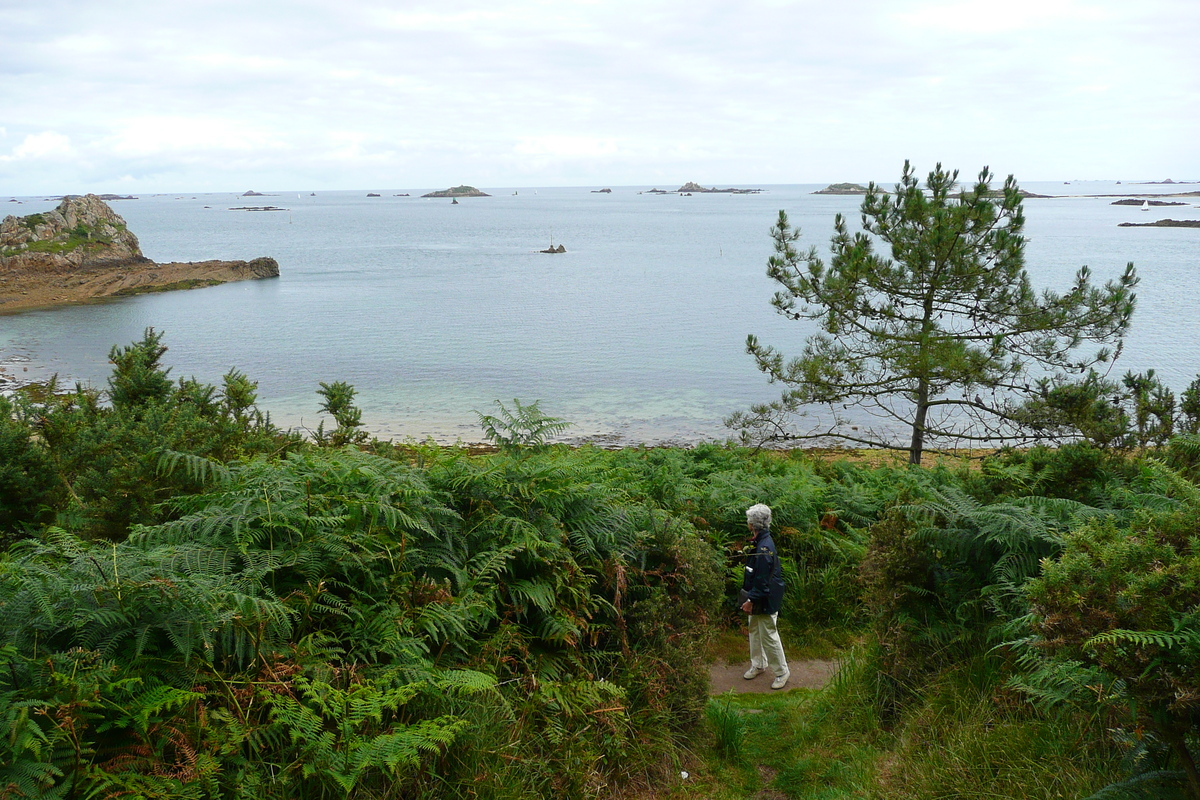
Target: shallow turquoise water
x=435, y=310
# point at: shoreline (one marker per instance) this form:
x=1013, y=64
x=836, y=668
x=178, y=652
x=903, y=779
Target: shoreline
x=11, y=382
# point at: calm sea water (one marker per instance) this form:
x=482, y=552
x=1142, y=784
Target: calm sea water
x=433, y=311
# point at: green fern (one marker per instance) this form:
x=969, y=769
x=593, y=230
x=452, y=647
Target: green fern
x=1142, y=639
x=522, y=427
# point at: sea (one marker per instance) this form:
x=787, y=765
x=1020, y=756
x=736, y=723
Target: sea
x=436, y=311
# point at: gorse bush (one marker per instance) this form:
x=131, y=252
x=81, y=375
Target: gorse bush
x=104, y=447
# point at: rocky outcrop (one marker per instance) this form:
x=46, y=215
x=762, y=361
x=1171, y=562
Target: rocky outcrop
x=458, y=191
x=82, y=250
x=843, y=188
x=553, y=249
x=691, y=187
x=1130, y=201
x=81, y=233
x=1163, y=223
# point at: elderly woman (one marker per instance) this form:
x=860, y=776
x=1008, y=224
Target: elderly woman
x=762, y=581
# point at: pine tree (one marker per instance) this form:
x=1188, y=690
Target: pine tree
x=938, y=337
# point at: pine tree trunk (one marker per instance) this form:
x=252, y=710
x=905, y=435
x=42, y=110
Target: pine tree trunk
x=918, y=431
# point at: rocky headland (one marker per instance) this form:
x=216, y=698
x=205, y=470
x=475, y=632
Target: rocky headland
x=458, y=191
x=82, y=250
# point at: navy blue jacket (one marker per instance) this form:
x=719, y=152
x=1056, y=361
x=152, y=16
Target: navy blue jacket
x=762, y=577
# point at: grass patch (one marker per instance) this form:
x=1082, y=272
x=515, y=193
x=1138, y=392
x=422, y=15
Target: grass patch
x=80, y=236
x=191, y=283
x=965, y=737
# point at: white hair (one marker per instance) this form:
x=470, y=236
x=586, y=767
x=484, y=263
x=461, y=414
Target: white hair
x=759, y=516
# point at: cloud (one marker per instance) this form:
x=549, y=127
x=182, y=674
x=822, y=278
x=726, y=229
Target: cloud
x=154, y=135
x=318, y=93
x=972, y=18
x=566, y=147
x=41, y=146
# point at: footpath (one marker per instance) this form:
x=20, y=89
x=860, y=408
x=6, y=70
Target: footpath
x=811, y=674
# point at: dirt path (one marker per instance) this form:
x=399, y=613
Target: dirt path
x=811, y=674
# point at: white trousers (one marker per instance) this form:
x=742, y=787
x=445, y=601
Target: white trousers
x=765, y=648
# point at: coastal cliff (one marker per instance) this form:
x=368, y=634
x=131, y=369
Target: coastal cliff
x=82, y=250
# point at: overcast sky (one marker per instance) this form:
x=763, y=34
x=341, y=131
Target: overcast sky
x=137, y=96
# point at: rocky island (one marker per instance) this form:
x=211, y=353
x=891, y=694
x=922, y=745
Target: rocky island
x=82, y=250
x=1163, y=223
x=843, y=188
x=692, y=187
x=858, y=188
x=1131, y=201
x=458, y=191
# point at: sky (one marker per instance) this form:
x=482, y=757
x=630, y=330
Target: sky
x=208, y=95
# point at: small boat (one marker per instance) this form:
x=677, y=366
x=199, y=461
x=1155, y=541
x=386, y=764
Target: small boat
x=1145, y=205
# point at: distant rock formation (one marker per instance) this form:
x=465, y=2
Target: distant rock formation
x=256, y=208
x=842, y=188
x=253, y=193
x=597, y=191
x=1163, y=223
x=104, y=197
x=83, y=250
x=690, y=187
x=1021, y=193
x=859, y=189
x=553, y=249
x=1129, y=201
x=458, y=191
x=372, y=194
